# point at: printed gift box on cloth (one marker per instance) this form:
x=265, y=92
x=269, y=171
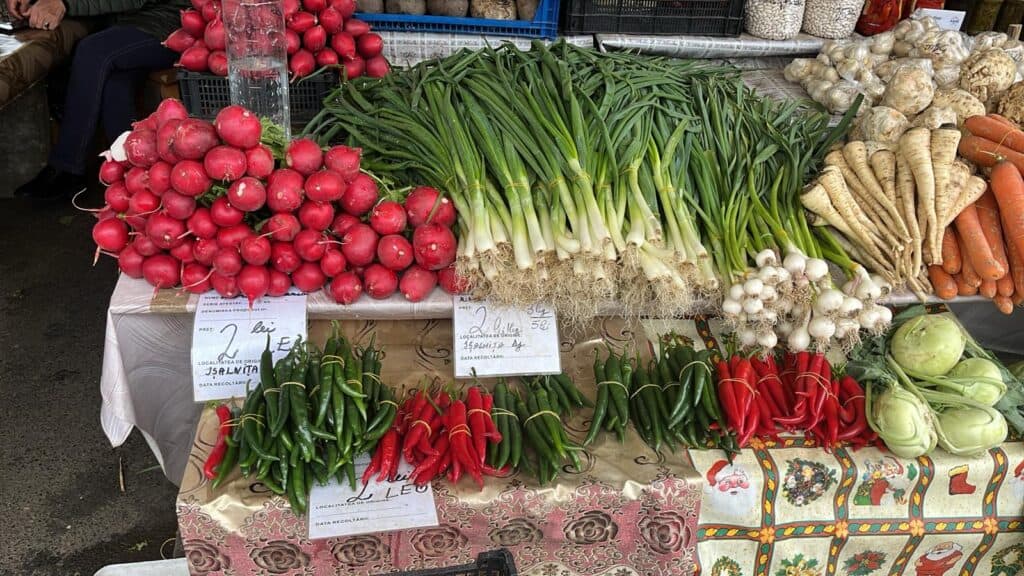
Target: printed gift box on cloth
x=627, y=512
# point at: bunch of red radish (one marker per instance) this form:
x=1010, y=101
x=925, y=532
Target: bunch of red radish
x=318, y=32
x=208, y=206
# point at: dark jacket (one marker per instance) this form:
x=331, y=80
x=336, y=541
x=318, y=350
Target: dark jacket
x=153, y=17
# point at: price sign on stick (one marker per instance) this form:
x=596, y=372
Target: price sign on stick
x=337, y=510
x=228, y=339
x=493, y=340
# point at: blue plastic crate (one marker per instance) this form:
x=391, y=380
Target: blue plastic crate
x=544, y=24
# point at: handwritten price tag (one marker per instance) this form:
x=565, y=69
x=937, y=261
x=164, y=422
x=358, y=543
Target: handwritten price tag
x=228, y=339
x=337, y=510
x=946, y=19
x=502, y=341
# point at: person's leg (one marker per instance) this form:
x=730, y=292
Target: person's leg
x=118, y=109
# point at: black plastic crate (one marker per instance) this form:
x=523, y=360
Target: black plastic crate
x=205, y=94
x=679, y=17
x=494, y=563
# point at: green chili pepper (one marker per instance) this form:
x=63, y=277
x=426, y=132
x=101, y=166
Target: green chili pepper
x=226, y=466
x=603, y=395
x=326, y=380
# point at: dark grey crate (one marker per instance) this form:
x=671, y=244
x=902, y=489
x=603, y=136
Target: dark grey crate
x=679, y=17
x=205, y=94
x=494, y=563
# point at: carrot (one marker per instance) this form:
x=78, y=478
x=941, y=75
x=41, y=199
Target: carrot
x=967, y=270
x=1016, y=272
x=988, y=289
x=943, y=284
x=1004, y=286
x=997, y=131
x=976, y=246
x=987, y=153
x=1009, y=123
x=950, y=252
x=988, y=216
x=963, y=288
x=1004, y=304
x=1008, y=187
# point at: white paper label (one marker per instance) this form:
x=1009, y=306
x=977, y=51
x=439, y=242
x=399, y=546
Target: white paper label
x=228, y=339
x=337, y=510
x=497, y=340
x=945, y=19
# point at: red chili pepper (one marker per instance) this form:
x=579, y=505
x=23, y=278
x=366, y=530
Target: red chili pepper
x=445, y=463
x=455, y=470
x=220, y=447
x=421, y=424
x=477, y=427
x=492, y=429
x=770, y=383
x=459, y=440
x=855, y=400
x=427, y=470
x=819, y=380
x=413, y=406
x=832, y=414
x=374, y=466
x=744, y=374
x=390, y=455
x=726, y=395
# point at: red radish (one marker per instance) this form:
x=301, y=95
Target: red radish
x=165, y=141
x=140, y=147
x=227, y=262
x=217, y=62
x=314, y=39
x=177, y=205
x=189, y=178
x=134, y=221
x=291, y=7
x=308, y=277
x=388, y=217
x=199, y=4
x=145, y=246
x=238, y=127
x=346, y=288
x=359, y=245
x=110, y=172
x=105, y=213
x=395, y=252
x=342, y=223
x=137, y=180
x=451, y=282
x=232, y=236
x=301, y=63
x=420, y=206
x=142, y=203
x=204, y=250
x=193, y=139
x=201, y=224
x=301, y=21
x=110, y=234
x=283, y=227
x=380, y=281
x=314, y=6
x=360, y=196
x=309, y=245
x=195, y=58
x=356, y=27
x=147, y=123
x=304, y=156
x=344, y=7
x=211, y=10
x=344, y=44
x=344, y=161
x=324, y=186
x=292, y=40
x=193, y=23
x=254, y=282
x=183, y=252
x=164, y=231
x=369, y=45
x=416, y=283
x=130, y=261
x=224, y=214
x=247, y=194
x=179, y=41
x=284, y=190
x=354, y=67
x=195, y=278
x=159, y=176
x=225, y=163
x=170, y=109
x=332, y=262
x=213, y=35
x=326, y=57
x=226, y=286
x=377, y=67
x=117, y=197
x=259, y=161
x=161, y=271
x=283, y=257
x=331, y=20
x=255, y=250
x=316, y=215
x=434, y=246
x=279, y=283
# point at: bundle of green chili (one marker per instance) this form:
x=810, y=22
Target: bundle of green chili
x=584, y=178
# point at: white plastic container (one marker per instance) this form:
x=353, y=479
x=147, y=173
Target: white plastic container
x=774, y=19
x=831, y=18
x=258, y=58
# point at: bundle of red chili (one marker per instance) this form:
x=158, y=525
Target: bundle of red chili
x=225, y=449
x=439, y=436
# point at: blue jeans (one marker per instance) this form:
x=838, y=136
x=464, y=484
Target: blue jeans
x=107, y=68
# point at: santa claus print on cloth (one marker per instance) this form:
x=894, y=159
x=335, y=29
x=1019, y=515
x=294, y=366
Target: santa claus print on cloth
x=885, y=482
x=729, y=492
x=939, y=560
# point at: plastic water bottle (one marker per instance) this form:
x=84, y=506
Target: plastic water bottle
x=258, y=58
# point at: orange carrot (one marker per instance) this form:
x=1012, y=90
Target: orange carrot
x=943, y=284
x=950, y=252
x=1016, y=268
x=1008, y=187
x=963, y=288
x=1004, y=286
x=1009, y=123
x=1004, y=304
x=987, y=153
x=988, y=289
x=971, y=277
x=988, y=215
x=976, y=246
x=996, y=131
